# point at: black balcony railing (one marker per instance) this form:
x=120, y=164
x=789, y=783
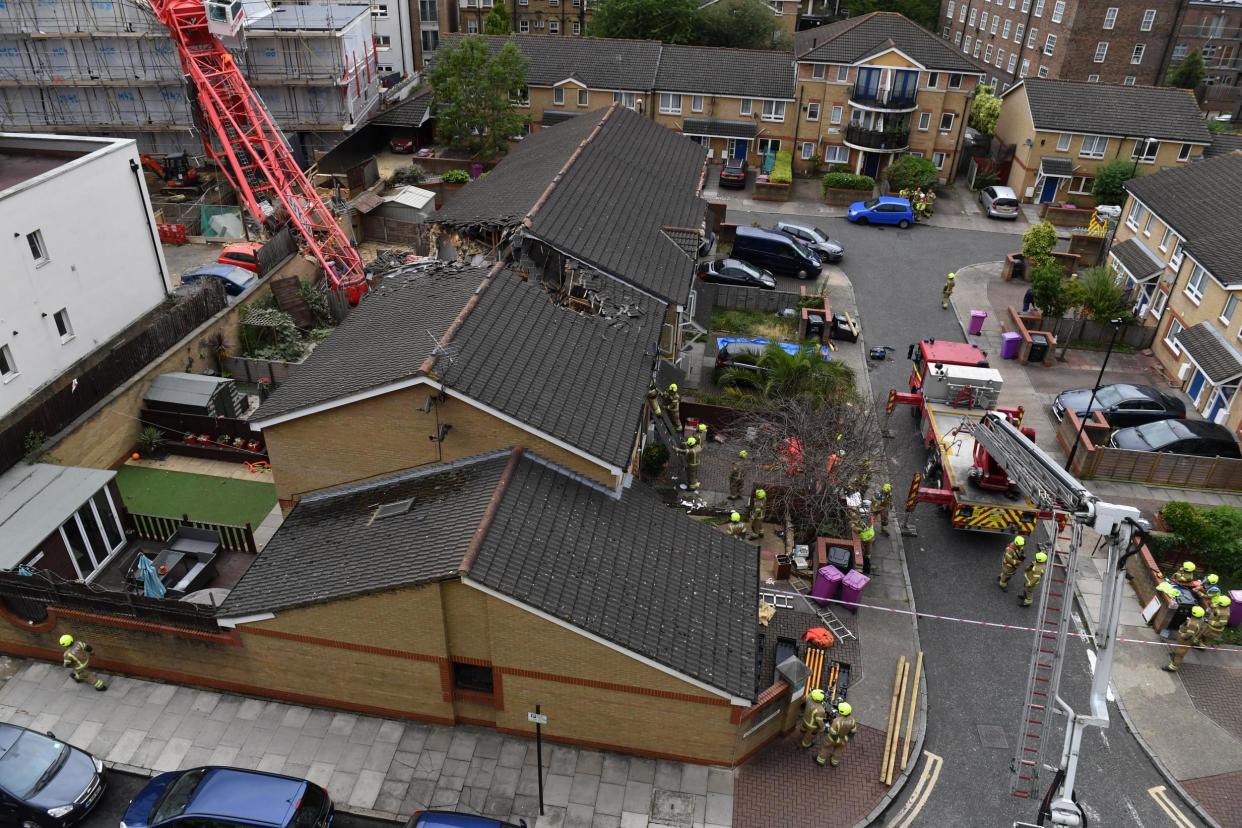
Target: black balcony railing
x=886, y=140
x=884, y=98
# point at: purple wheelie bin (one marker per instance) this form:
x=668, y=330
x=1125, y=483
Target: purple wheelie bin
x=1011, y=342
x=827, y=583
x=852, y=589
x=1235, y=607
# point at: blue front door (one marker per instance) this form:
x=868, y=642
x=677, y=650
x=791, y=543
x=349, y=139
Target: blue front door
x=1196, y=385
x=1220, y=401
x=739, y=149
x=871, y=164
x=1049, y=191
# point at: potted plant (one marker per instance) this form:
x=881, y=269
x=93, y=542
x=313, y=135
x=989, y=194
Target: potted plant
x=151, y=443
x=253, y=444
x=191, y=439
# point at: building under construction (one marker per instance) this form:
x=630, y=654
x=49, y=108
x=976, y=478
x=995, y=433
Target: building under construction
x=109, y=67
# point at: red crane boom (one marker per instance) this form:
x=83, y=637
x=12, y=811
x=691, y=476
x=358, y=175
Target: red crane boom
x=251, y=150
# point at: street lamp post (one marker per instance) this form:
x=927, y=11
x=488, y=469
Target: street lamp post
x=1069, y=463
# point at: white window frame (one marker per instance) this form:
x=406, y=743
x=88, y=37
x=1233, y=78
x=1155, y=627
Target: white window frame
x=1164, y=239
x=819, y=71
x=1093, y=78
x=554, y=27
x=1129, y=80
x=843, y=74
x=1039, y=8
x=524, y=26
x=1058, y=11
x=1179, y=253
x=1013, y=63
x=938, y=158
x=558, y=96
x=933, y=80
x=1008, y=27
x=773, y=112
x=1026, y=67
x=1183, y=153
x=1132, y=217
x=1000, y=61
x=836, y=149
x=1018, y=33
x=1151, y=217
x=978, y=46
x=1050, y=45
x=1101, y=52
x=746, y=106
x=38, y=247
x=995, y=23
x=1043, y=72
x=1136, y=57
x=577, y=27
x=670, y=103
x=1170, y=338
x=812, y=111
x=1194, y=283
x=924, y=121
x=983, y=21
x=1149, y=20
x=961, y=17
x=808, y=150
x=62, y=321
x=951, y=10
x=379, y=11
x=1227, y=311
x=1110, y=18
x=9, y=372
x=1081, y=184
x=1158, y=303
x=974, y=17
x=957, y=38
x=584, y=97
x=696, y=103
x=952, y=116
x=1098, y=144
x=1031, y=37
x=1150, y=148
x=966, y=44
x=987, y=54
x=835, y=116
x=1063, y=141
x=955, y=81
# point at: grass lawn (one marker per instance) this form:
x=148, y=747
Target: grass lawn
x=753, y=323
x=202, y=497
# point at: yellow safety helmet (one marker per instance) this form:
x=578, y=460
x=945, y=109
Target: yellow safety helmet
x=690, y=441
x=1041, y=557
x=703, y=427
x=1213, y=578
x=66, y=640
x=760, y=494
x=952, y=276
x=817, y=695
x=888, y=487
x=1188, y=567
x=1198, y=612
x=844, y=708
x=1019, y=541
x=1222, y=600
x=743, y=454
x=734, y=517
x=672, y=386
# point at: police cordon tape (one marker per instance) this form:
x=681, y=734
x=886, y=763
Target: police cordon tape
x=997, y=625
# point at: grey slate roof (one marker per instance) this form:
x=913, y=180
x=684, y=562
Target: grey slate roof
x=1136, y=260
x=506, y=194
x=580, y=378
x=1223, y=144
x=552, y=116
x=1160, y=112
x=1052, y=165
x=631, y=571
x=411, y=113
x=333, y=545
x=386, y=338
x=744, y=73
x=719, y=129
x=852, y=39
x=1190, y=199
x=1211, y=352
x=35, y=499
x=600, y=63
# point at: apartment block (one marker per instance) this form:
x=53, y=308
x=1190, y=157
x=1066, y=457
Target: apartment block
x=557, y=18
x=1214, y=28
x=1099, y=41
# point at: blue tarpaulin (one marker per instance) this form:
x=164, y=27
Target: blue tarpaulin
x=152, y=586
x=790, y=348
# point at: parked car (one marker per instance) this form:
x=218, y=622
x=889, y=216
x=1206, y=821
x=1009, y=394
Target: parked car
x=733, y=173
x=1123, y=404
x=236, y=280
x=242, y=254
x=814, y=238
x=1195, y=437
x=736, y=272
x=450, y=819
x=775, y=252
x=999, y=202
x=708, y=242
x=231, y=797
x=404, y=144
x=882, y=210
x=45, y=783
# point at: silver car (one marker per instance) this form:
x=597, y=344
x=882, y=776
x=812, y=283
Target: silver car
x=827, y=249
x=999, y=202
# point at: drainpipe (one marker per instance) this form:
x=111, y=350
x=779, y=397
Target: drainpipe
x=1026, y=33
x=1166, y=57
x=155, y=243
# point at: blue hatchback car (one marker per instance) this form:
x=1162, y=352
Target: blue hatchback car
x=882, y=210
x=229, y=797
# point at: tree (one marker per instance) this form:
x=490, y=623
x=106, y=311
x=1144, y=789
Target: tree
x=1110, y=179
x=497, y=20
x=739, y=24
x=909, y=172
x=669, y=21
x=473, y=93
x=1189, y=73
x=985, y=110
x=1054, y=295
x=924, y=12
x=1103, y=299
x=804, y=375
x=1038, y=242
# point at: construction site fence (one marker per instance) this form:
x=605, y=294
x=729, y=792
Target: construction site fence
x=77, y=391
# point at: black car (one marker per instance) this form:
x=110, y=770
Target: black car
x=1195, y=437
x=45, y=783
x=736, y=272
x=733, y=173
x=827, y=249
x=1122, y=404
x=775, y=252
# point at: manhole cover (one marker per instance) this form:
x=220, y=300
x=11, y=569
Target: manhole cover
x=669, y=808
x=992, y=736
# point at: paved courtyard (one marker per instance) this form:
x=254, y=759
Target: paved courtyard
x=374, y=766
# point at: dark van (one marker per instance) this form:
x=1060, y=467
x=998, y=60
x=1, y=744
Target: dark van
x=775, y=252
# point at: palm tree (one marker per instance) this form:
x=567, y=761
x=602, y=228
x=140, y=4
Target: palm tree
x=804, y=374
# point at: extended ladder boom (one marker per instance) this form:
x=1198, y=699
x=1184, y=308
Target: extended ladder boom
x=1031, y=470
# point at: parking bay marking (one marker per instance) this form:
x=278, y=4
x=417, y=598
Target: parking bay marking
x=1161, y=795
x=922, y=792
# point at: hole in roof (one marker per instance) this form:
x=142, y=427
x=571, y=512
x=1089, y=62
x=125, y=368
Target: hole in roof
x=399, y=507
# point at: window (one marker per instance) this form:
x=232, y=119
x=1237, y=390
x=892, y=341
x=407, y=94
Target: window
x=627, y=99
x=1132, y=218
x=1026, y=6
x=808, y=150
x=584, y=97
x=974, y=13
x=1058, y=11
x=773, y=111
x=1136, y=57
x=1170, y=339
x=1005, y=30
x=1110, y=18
x=521, y=97
x=472, y=26
x=957, y=38
x=696, y=103
x=1000, y=61
x=933, y=80
x=938, y=160
x=987, y=54
x=1081, y=184
x=1151, y=217
x=1164, y=240
x=558, y=94
x=1031, y=37
x=383, y=42
x=1101, y=51
x=1013, y=61
x=1043, y=72
x=1231, y=304
x=1183, y=154
x=428, y=12
x=769, y=145
x=983, y=20
x=1063, y=142
x=1157, y=305
x=812, y=111
x=924, y=121
x=1026, y=67
x=472, y=678
x=554, y=27
x=966, y=44
x=1093, y=78
x=431, y=40
x=379, y=10
x=37, y=248
x=1178, y=252
x=1050, y=44
x=1018, y=32
x=746, y=106
x=837, y=113
x=1128, y=80
x=945, y=33
x=843, y=74
x=63, y=326
x=1194, y=285
x=1093, y=146
x=670, y=104
x=837, y=154
x=946, y=121
x=961, y=18
x=1149, y=20
x=524, y=25
x=577, y=27
x=8, y=368
x=818, y=71
x=951, y=9
x=1145, y=150
x=1179, y=51
x=978, y=46
x=995, y=23
x=1039, y=8
x=955, y=81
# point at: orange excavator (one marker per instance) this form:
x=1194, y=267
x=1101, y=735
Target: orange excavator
x=175, y=171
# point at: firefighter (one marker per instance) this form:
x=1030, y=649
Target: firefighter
x=653, y=399
x=812, y=718
x=737, y=474
x=672, y=401
x=693, y=452
x=1188, y=635
x=837, y=736
x=1033, y=575
x=884, y=504
x=1015, y=554
x=756, y=514
x=1207, y=587
x=1215, y=623
x=867, y=536
x=1186, y=575
x=947, y=290
x=77, y=656
x=736, y=528
x=703, y=433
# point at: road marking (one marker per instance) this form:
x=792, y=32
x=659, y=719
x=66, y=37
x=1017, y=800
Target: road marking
x=920, y=795
x=1134, y=814
x=1161, y=795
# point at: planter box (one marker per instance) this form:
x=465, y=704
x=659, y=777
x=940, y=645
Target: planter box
x=767, y=191
x=1068, y=262
x=1015, y=267
x=839, y=197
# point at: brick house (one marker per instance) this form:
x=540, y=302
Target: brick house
x=1214, y=28
x=875, y=87
x=1062, y=131
x=1086, y=40
x=1179, y=252
x=556, y=18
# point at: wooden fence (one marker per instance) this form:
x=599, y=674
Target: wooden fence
x=267, y=371
x=276, y=250
x=51, y=412
x=176, y=426
x=159, y=528
x=30, y=597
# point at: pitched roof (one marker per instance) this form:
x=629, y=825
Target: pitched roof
x=1208, y=349
x=745, y=73
x=579, y=377
x=599, y=62
x=1223, y=143
x=632, y=571
x=855, y=38
x=1161, y=112
x=334, y=544
x=1136, y=260
x=386, y=338
x=411, y=113
x=1054, y=165
x=1189, y=200
x=719, y=129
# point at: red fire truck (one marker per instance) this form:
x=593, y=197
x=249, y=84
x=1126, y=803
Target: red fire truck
x=941, y=352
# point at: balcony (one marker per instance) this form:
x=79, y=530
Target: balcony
x=877, y=140
x=893, y=100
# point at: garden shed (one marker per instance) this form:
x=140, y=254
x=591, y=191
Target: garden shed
x=200, y=394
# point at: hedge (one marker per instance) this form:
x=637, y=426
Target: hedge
x=782, y=171
x=848, y=181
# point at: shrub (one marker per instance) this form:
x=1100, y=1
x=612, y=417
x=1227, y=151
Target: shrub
x=455, y=177
x=984, y=179
x=1038, y=242
x=653, y=460
x=782, y=172
x=848, y=181
x=1213, y=535
x=1103, y=298
x=1110, y=179
x=910, y=172
x=413, y=174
